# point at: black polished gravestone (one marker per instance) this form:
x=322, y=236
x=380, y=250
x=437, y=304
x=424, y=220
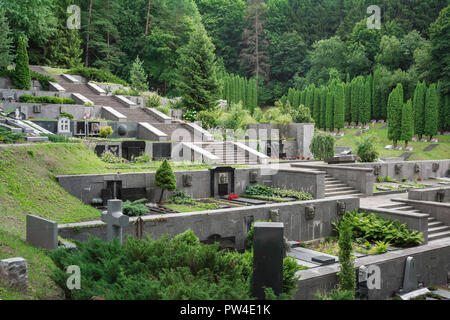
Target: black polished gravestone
x=268, y=248
x=225, y=179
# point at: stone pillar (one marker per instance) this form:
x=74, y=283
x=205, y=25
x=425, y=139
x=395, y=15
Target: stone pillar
x=14, y=271
x=268, y=246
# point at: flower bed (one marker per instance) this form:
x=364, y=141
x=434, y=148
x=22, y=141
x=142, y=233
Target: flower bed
x=261, y=192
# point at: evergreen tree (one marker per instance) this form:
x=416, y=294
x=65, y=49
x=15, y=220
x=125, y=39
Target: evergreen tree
x=138, y=77
x=348, y=102
x=6, y=57
x=22, y=72
x=407, y=122
x=443, y=109
x=197, y=76
x=316, y=108
x=302, y=97
x=376, y=95
x=347, y=281
x=329, y=110
x=418, y=108
x=291, y=96
x=431, y=113
x=296, y=99
x=394, y=110
x=354, y=108
x=323, y=107
x=165, y=178
x=366, y=106
x=339, y=105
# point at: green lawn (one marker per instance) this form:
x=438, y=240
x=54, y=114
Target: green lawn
x=440, y=152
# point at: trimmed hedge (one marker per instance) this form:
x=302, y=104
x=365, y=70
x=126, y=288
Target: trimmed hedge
x=28, y=98
x=99, y=75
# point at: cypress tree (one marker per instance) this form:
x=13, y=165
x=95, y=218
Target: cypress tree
x=394, y=110
x=6, y=57
x=316, y=108
x=329, y=110
x=376, y=95
x=290, y=96
x=323, y=107
x=348, y=102
x=361, y=99
x=346, y=275
x=442, y=110
x=303, y=97
x=339, y=104
x=296, y=99
x=366, y=105
x=431, y=114
x=407, y=122
x=22, y=72
x=419, y=108
x=354, y=100
x=138, y=77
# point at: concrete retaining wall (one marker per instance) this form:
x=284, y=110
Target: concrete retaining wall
x=432, y=263
x=52, y=111
x=233, y=222
x=429, y=194
x=301, y=180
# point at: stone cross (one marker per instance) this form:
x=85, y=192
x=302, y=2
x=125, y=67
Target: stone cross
x=115, y=220
x=268, y=246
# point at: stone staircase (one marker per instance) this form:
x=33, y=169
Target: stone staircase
x=228, y=153
x=436, y=229
x=335, y=187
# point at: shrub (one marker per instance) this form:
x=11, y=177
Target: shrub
x=43, y=79
x=165, y=178
x=66, y=115
x=135, y=208
x=322, y=146
x=27, y=98
x=153, y=101
x=55, y=138
x=181, y=197
x=10, y=137
x=99, y=75
x=366, y=150
x=164, y=109
x=336, y=295
x=209, y=118
x=380, y=247
x=259, y=190
x=286, y=193
x=108, y=157
x=347, y=271
x=124, y=92
x=105, y=132
x=190, y=115
x=144, y=158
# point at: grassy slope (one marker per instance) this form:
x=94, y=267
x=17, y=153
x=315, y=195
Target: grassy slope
x=27, y=185
x=440, y=152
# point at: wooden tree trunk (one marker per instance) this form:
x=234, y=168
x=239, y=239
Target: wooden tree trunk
x=148, y=17
x=160, y=198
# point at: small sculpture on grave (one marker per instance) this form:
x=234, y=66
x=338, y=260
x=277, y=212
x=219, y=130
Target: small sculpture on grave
x=187, y=180
x=223, y=178
x=398, y=168
x=435, y=166
x=416, y=168
x=377, y=170
x=310, y=212
x=274, y=215
x=253, y=176
x=341, y=208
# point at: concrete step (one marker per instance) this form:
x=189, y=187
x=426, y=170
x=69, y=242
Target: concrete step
x=340, y=193
x=430, y=219
x=438, y=229
x=336, y=184
x=439, y=235
x=337, y=189
x=405, y=208
x=435, y=223
x=392, y=206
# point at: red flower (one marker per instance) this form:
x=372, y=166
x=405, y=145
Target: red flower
x=420, y=179
x=298, y=157
x=232, y=196
x=303, y=158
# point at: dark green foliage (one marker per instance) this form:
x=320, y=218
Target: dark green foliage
x=165, y=269
x=336, y=295
x=99, y=75
x=22, y=72
x=366, y=149
x=301, y=114
x=354, y=109
x=269, y=192
x=346, y=275
x=135, y=208
x=322, y=146
x=197, y=75
x=365, y=112
x=372, y=227
x=138, y=77
x=329, y=110
x=55, y=138
x=259, y=190
x=6, y=56
x=431, y=111
x=42, y=78
x=395, y=105
x=376, y=95
x=316, y=107
x=10, y=137
x=245, y=91
x=323, y=107
x=348, y=102
x=419, y=108
x=165, y=178
x=407, y=122
x=28, y=98
x=181, y=197
x=339, y=106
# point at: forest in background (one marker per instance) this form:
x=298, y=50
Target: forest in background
x=282, y=44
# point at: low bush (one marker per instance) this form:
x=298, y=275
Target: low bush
x=181, y=197
x=10, y=137
x=43, y=79
x=164, y=109
x=190, y=115
x=108, y=157
x=66, y=115
x=28, y=98
x=366, y=149
x=267, y=193
x=55, y=138
x=153, y=101
x=135, y=208
x=286, y=193
x=105, y=132
x=373, y=227
x=322, y=146
x=99, y=75
x=259, y=190
x=144, y=158
x=124, y=92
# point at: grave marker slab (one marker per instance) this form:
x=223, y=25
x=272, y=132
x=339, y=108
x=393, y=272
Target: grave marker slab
x=42, y=233
x=268, y=244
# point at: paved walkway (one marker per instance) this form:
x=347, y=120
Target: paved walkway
x=377, y=201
